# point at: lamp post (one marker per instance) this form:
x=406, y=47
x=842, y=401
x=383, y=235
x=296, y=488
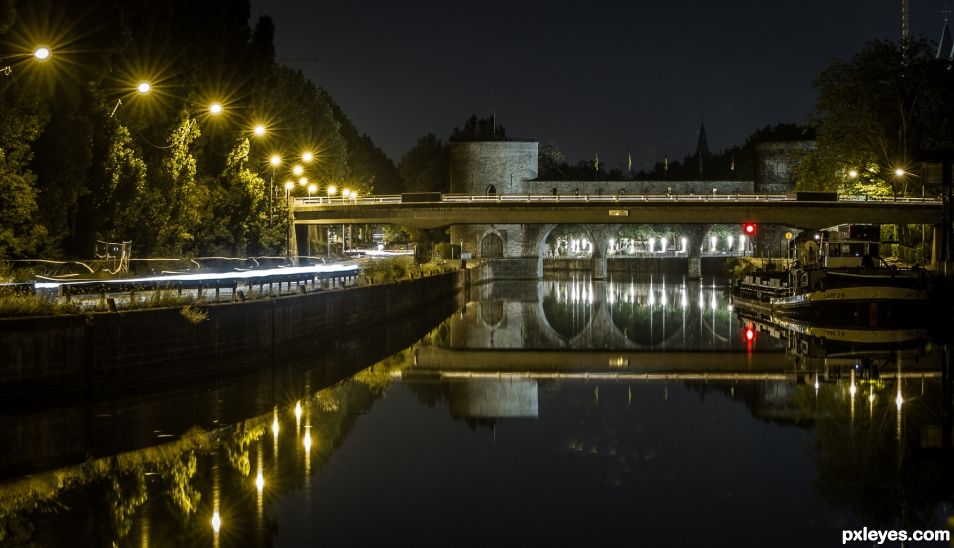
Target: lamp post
x=274, y=161
x=289, y=185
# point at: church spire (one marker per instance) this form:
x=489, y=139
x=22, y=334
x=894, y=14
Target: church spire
x=702, y=146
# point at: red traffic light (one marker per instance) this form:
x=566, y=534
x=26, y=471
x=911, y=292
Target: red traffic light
x=749, y=229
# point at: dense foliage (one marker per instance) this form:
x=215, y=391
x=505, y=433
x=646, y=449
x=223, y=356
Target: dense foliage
x=874, y=113
x=85, y=157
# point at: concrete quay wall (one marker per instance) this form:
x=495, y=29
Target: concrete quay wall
x=45, y=355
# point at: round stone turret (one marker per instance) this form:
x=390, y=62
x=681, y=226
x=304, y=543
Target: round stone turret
x=492, y=167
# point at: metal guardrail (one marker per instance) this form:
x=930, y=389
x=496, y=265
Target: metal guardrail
x=601, y=198
x=229, y=280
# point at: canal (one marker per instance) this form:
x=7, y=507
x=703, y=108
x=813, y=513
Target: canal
x=643, y=411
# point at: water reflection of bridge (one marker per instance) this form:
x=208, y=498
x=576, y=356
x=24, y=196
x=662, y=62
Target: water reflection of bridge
x=493, y=356
x=581, y=313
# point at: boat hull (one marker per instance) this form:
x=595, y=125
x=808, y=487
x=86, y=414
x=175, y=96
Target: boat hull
x=869, y=305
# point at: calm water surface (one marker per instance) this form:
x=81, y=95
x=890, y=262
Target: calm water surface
x=554, y=413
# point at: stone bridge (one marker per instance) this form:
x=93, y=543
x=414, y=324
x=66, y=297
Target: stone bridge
x=498, y=209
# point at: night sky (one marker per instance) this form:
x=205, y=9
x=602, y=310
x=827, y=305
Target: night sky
x=597, y=77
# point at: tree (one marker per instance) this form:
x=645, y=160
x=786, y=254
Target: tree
x=873, y=113
x=483, y=129
x=426, y=167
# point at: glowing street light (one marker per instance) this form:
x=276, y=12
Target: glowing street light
x=275, y=160
x=259, y=130
x=298, y=170
x=42, y=53
x=215, y=109
x=216, y=522
x=307, y=157
x=288, y=188
x=260, y=481
x=899, y=172
x=311, y=189
x=302, y=181
x=144, y=87
x=332, y=190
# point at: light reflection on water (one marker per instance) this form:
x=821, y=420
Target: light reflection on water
x=561, y=412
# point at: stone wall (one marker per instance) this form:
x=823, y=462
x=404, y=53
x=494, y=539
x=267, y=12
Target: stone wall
x=79, y=352
x=610, y=188
x=471, y=236
x=775, y=163
x=504, y=165
x=528, y=268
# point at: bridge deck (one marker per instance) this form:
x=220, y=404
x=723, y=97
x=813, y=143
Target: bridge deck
x=778, y=209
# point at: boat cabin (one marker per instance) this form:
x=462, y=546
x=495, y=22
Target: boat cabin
x=850, y=246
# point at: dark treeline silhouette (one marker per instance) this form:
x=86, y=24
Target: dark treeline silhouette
x=85, y=157
x=734, y=163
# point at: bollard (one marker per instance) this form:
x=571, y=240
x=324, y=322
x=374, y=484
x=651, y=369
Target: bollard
x=302, y=290
x=111, y=304
x=241, y=295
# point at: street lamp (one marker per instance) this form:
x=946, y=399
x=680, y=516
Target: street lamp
x=311, y=189
x=142, y=88
x=42, y=53
x=303, y=181
x=307, y=157
x=852, y=174
x=297, y=170
x=259, y=130
x=215, y=109
x=899, y=172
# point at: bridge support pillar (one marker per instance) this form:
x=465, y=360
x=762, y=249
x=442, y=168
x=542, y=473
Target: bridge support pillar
x=292, y=243
x=696, y=235
x=599, y=268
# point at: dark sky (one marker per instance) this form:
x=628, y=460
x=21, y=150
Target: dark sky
x=593, y=77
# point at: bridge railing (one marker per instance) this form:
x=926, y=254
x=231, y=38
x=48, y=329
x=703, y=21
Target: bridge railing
x=599, y=198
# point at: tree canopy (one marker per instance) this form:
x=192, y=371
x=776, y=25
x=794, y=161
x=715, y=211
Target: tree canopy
x=874, y=112
x=85, y=157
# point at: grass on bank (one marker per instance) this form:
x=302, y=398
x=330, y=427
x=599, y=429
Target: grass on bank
x=380, y=271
